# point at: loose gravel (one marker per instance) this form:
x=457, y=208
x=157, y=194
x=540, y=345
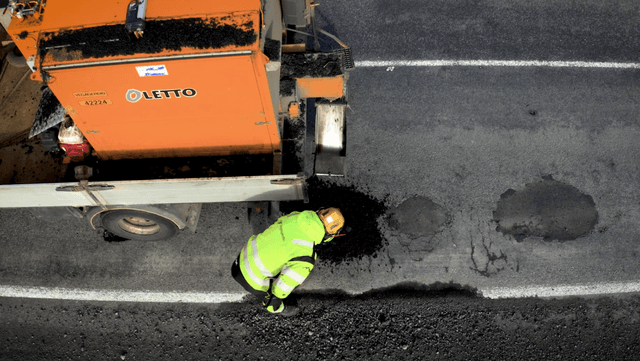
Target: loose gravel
x=399, y=324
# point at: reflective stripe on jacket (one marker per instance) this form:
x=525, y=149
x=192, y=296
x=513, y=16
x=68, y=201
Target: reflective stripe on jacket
x=283, y=253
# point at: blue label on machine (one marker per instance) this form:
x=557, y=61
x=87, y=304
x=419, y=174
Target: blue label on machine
x=152, y=70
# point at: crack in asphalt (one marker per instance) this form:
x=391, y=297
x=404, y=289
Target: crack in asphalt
x=492, y=258
x=392, y=260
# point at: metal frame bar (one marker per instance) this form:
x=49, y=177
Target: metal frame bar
x=145, y=60
x=161, y=191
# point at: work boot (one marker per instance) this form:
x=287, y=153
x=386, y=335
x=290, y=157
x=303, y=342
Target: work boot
x=289, y=311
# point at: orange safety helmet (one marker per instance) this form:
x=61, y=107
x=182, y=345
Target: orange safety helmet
x=332, y=219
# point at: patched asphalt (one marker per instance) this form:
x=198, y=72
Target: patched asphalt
x=548, y=209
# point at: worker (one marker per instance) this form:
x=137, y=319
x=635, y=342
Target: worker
x=276, y=261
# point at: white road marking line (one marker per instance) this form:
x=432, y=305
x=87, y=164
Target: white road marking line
x=591, y=289
x=390, y=64
x=75, y=294
x=119, y=295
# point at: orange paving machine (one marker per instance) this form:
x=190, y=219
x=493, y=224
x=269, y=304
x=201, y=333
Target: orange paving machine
x=158, y=106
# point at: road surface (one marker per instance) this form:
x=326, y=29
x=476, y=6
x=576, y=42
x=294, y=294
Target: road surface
x=494, y=142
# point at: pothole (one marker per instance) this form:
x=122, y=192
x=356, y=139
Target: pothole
x=549, y=209
x=417, y=217
x=361, y=212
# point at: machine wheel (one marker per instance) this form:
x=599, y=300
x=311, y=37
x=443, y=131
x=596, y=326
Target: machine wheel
x=49, y=139
x=16, y=60
x=138, y=225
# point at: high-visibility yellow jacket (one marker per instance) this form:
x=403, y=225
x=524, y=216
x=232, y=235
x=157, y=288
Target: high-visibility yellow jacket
x=284, y=253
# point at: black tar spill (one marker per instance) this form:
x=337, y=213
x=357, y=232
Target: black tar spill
x=361, y=213
x=313, y=65
x=110, y=237
x=272, y=49
x=159, y=35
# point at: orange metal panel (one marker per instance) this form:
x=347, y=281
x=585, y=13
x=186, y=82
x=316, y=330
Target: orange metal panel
x=202, y=106
x=294, y=109
x=64, y=15
x=206, y=104
x=294, y=48
x=26, y=43
x=60, y=14
x=321, y=87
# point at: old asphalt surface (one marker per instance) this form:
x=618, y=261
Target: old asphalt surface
x=487, y=177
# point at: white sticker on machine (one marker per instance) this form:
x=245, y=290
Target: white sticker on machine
x=152, y=70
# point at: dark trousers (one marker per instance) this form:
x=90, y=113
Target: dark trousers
x=266, y=298
x=237, y=275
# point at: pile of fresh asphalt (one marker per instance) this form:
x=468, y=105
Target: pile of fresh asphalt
x=159, y=35
x=405, y=324
x=361, y=212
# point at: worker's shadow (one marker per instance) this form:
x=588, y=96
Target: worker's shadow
x=448, y=290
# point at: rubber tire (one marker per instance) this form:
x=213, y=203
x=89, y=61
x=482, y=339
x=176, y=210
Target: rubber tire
x=110, y=221
x=16, y=60
x=49, y=139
